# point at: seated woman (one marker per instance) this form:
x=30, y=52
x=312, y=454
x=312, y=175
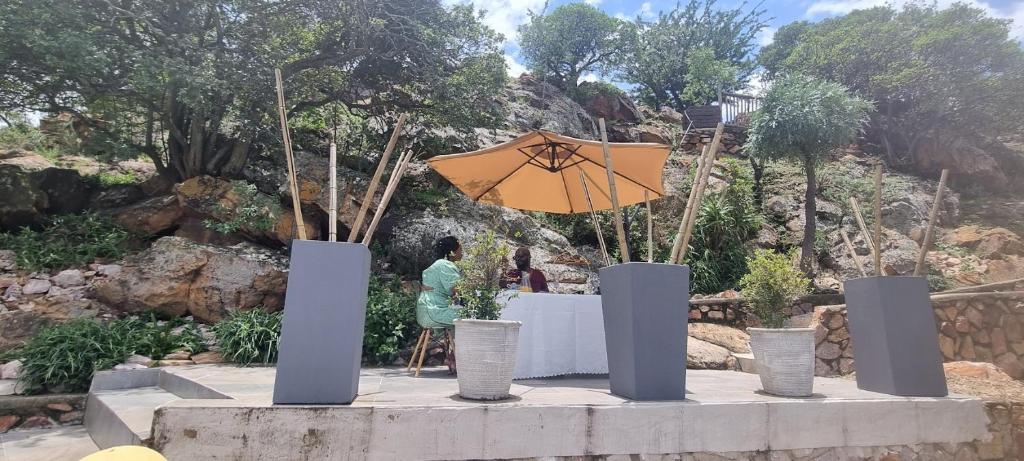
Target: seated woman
x=434, y=307
x=524, y=277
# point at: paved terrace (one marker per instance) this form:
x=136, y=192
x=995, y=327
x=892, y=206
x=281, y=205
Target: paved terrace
x=397, y=416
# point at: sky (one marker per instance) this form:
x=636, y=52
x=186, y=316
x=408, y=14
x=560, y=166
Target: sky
x=506, y=15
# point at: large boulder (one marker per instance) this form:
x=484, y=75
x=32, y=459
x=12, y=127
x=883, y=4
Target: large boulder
x=532, y=104
x=733, y=339
x=17, y=327
x=151, y=216
x=702, y=355
x=177, y=277
x=31, y=188
x=987, y=243
x=606, y=101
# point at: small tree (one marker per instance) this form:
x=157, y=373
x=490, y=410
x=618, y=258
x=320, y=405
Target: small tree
x=571, y=40
x=771, y=285
x=804, y=118
x=482, y=267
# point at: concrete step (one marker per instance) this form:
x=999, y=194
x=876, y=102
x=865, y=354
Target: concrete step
x=123, y=416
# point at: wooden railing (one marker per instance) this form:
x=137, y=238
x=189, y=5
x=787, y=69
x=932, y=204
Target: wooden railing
x=734, y=104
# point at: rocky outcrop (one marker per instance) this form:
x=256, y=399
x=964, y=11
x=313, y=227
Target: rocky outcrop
x=531, y=104
x=179, y=277
x=732, y=339
x=29, y=193
x=152, y=216
x=608, y=102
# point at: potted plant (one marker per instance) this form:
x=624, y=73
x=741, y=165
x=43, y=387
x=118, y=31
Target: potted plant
x=784, y=356
x=486, y=347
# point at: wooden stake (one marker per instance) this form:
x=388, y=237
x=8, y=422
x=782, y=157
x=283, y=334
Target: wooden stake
x=375, y=181
x=289, y=159
x=932, y=216
x=855, y=206
x=388, y=193
x=650, y=228
x=593, y=217
x=332, y=227
x=701, y=188
x=853, y=252
x=878, y=219
x=610, y=169
x=677, y=243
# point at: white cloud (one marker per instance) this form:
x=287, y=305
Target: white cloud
x=645, y=10
x=589, y=77
x=504, y=16
x=592, y=2
x=514, y=68
x=766, y=36
x=1014, y=12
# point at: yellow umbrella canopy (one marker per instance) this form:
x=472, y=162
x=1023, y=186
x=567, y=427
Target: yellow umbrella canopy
x=540, y=171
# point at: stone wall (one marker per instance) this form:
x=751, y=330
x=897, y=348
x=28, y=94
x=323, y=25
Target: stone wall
x=41, y=411
x=920, y=452
x=1006, y=424
x=732, y=139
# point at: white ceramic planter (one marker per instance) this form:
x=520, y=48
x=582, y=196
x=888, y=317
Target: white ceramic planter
x=485, y=351
x=785, y=360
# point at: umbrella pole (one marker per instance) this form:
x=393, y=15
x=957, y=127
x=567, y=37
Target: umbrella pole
x=932, y=216
x=289, y=159
x=701, y=188
x=593, y=217
x=375, y=181
x=610, y=169
x=678, y=241
x=388, y=193
x=332, y=227
x=650, y=228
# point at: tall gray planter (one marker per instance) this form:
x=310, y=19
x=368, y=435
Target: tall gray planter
x=645, y=308
x=894, y=338
x=322, y=334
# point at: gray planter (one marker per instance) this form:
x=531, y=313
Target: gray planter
x=785, y=360
x=645, y=308
x=322, y=334
x=894, y=338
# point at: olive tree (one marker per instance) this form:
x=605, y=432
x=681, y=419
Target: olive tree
x=803, y=119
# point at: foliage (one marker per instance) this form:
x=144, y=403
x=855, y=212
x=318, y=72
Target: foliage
x=155, y=338
x=21, y=135
x=67, y=241
x=937, y=281
x=572, y=40
x=390, y=320
x=248, y=337
x=253, y=211
x=67, y=355
x=190, y=84
x=107, y=178
x=804, y=118
x=938, y=74
x=727, y=219
x=482, y=266
x=771, y=285
x=694, y=44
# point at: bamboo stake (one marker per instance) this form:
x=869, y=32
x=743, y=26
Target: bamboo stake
x=650, y=228
x=878, y=219
x=701, y=188
x=388, y=193
x=289, y=159
x=855, y=206
x=593, y=217
x=375, y=181
x=853, y=253
x=932, y=216
x=332, y=227
x=677, y=243
x=610, y=169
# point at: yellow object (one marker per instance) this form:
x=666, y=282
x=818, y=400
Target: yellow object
x=125, y=453
x=540, y=170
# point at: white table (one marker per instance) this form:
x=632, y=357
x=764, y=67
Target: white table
x=561, y=334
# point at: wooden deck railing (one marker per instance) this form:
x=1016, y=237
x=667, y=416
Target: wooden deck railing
x=735, y=104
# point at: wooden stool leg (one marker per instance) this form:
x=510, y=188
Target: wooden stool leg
x=426, y=346
x=416, y=350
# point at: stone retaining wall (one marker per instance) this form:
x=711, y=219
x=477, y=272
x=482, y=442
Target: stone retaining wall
x=732, y=139
x=33, y=412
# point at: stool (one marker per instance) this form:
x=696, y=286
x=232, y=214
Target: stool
x=423, y=345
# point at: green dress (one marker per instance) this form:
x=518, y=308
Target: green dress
x=434, y=307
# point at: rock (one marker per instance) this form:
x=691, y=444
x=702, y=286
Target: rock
x=1010, y=365
x=72, y=417
x=17, y=327
x=703, y=355
x=732, y=339
x=828, y=351
x=966, y=236
x=178, y=277
x=7, y=422
x=108, y=270
x=34, y=422
x=8, y=260
x=116, y=196
x=998, y=242
x=8, y=387
x=20, y=199
x=177, y=355
x=947, y=346
x=653, y=134
x=669, y=115
x=611, y=104
x=36, y=286
x=68, y=278
x=10, y=370
x=211, y=357
x=65, y=190
x=846, y=366
x=196, y=230
x=975, y=370
x=781, y=207
x=172, y=363
x=60, y=406
x=149, y=217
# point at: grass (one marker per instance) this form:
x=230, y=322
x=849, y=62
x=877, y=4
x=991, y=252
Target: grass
x=27, y=137
x=248, y=337
x=67, y=241
x=108, y=179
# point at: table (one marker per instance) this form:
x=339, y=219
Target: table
x=561, y=334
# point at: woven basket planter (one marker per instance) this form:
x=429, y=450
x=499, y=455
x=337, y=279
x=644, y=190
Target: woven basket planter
x=485, y=351
x=785, y=360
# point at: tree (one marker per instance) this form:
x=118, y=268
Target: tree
x=772, y=56
x=804, y=118
x=573, y=39
x=934, y=74
x=190, y=83
x=684, y=46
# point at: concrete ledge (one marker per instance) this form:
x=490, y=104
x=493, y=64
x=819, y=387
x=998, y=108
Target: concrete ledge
x=124, y=379
x=105, y=427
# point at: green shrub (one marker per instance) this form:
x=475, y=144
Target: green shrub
x=109, y=178
x=390, y=320
x=482, y=267
x=67, y=241
x=21, y=135
x=771, y=285
x=155, y=338
x=251, y=336
x=254, y=211
x=67, y=355
x=937, y=281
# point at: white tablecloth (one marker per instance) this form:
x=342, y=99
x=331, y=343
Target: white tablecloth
x=561, y=334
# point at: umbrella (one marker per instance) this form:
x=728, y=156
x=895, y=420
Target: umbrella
x=540, y=171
